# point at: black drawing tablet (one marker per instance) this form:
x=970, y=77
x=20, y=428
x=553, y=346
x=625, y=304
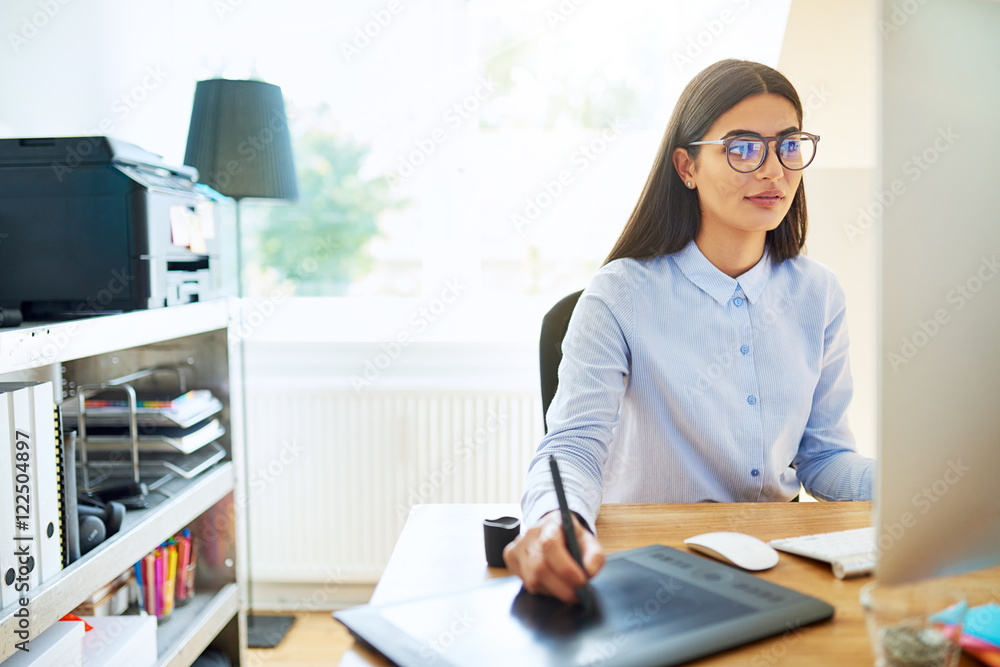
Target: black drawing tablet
x=655, y=606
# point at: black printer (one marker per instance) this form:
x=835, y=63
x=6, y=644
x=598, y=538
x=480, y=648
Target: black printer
x=93, y=225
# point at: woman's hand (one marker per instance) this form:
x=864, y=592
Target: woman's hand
x=542, y=560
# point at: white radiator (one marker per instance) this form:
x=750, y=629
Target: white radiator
x=334, y=471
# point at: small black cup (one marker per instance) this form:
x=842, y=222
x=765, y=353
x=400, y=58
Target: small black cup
x=498, y=533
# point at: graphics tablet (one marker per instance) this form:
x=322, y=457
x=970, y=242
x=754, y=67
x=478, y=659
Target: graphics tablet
x=655, y=606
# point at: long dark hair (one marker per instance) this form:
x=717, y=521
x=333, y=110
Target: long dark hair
x=667, y=216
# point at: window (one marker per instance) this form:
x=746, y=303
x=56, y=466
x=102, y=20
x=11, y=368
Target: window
x=499, y=145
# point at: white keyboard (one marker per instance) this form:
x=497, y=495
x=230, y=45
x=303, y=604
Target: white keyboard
x=850, y=552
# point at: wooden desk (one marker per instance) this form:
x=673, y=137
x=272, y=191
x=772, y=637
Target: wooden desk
x=441, y=549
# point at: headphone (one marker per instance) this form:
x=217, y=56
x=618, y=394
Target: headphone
x=98, y=520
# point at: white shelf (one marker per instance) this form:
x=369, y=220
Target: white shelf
x=192, y=627
x=99, y=348
x=32, y=345
x=141, y=532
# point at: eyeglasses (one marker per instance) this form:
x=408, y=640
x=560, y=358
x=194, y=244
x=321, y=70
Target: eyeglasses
x=747, y=152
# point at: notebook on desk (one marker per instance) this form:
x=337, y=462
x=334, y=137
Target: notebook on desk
x=655, y=606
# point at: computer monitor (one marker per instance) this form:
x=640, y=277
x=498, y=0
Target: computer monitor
x=937, y=508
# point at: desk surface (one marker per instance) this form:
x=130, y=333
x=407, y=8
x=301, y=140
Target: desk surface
x=441, y=549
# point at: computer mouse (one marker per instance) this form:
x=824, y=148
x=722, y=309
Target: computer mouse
x=738, y=549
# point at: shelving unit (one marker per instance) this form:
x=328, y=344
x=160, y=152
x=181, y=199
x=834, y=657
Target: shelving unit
x=71, y=354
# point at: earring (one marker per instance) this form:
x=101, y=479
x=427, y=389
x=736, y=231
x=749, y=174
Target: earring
x=689, y=184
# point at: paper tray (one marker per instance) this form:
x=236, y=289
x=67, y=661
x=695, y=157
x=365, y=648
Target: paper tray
x=165, y=439
x=110, y=463
x=186, y=416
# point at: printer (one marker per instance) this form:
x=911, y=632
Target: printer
x=93, y=225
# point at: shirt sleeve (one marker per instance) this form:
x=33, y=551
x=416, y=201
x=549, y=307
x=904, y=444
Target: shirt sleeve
x=584, y=412
x=828, y=463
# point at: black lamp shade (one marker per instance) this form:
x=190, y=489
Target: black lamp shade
x=239, y=141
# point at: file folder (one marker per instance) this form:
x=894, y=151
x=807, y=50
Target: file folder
x=24, y=481
x=43, y=426
x=8, y=564
x=34, y=417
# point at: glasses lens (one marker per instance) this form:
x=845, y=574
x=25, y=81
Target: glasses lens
x=797, y=151
x=745, y=153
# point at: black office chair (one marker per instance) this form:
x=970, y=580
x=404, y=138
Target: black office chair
x=554, y=326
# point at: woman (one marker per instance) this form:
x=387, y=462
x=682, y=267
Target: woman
x=707, y=360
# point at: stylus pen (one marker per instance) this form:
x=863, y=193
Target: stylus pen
x=583, y=593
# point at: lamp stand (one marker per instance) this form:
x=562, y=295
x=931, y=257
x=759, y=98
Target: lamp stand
x=265, y=631
x=225, y=114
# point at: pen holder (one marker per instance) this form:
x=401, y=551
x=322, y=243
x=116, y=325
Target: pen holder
x=188, y=591
x=915, y=624
x=498, y=533
x=186, y=572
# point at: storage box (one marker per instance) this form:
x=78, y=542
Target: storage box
x=59, y=646
x=120, y=640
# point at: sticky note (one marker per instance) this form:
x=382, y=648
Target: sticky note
x=984, y=622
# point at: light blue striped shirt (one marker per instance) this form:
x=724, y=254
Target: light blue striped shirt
x=679, y=383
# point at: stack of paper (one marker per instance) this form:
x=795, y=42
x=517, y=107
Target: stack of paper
x=980, y=631
x=152, y=411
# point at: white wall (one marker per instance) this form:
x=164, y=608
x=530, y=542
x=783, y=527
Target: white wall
x=831, y=54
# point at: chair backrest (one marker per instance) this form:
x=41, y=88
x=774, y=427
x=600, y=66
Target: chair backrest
x=554, y=326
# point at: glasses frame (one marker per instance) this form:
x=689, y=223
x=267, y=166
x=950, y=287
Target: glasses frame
x=767, y=147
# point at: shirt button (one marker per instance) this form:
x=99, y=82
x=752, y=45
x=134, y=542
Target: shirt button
x=744, y=349
x=751, y=399
x=754, y=472
x=737, y=302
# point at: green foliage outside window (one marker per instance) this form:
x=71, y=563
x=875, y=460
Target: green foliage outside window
x=320, y=242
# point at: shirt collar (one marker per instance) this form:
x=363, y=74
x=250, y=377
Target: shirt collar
x=717, y=284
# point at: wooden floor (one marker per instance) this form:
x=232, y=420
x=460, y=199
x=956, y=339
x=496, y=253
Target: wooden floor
x=315, y=639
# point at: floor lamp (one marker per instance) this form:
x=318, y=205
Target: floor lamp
x=240, y=144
